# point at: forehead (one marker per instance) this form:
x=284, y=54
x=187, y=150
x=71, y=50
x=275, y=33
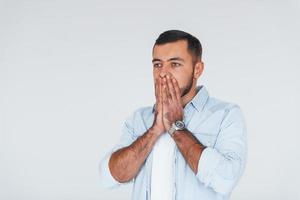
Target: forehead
x=172, y=49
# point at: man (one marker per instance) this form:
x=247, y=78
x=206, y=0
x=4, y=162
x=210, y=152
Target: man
x=188, y=145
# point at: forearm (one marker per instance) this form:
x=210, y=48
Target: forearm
x=125, y=163
x=190, y=148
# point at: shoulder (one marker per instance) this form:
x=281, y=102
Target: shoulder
x=217, y=105
x=142, y=112
x=225, y=110
x=139, y=116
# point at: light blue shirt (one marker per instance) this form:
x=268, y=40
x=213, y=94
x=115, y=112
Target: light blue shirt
x=218, y=125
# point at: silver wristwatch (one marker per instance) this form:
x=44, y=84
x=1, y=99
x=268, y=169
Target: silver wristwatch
x=177, y=126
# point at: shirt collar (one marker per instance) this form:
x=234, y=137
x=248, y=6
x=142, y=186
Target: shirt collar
x=199, y=100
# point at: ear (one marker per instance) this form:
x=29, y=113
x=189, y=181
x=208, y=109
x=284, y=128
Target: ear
x=199, y=67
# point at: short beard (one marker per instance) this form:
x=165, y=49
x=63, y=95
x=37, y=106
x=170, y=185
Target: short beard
x=188, y=88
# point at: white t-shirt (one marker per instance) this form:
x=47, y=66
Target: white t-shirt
x=162, y=184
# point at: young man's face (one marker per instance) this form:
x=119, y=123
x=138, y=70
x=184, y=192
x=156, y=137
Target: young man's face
x=174, y=58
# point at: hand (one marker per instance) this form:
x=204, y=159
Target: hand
x=171, y=98
x=158, y=126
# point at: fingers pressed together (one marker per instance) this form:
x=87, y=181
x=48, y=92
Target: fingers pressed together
x=170, y=91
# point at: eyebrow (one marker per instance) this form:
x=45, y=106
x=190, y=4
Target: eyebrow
x=171, y=59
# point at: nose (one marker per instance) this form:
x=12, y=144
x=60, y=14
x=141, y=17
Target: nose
x=164, y=72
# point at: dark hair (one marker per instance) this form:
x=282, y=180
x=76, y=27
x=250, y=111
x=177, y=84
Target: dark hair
x=194, y=45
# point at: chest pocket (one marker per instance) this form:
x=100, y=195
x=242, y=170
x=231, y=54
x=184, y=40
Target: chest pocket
x=206, y=128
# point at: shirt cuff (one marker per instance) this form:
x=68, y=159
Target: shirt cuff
x=207, y=165
x=106, y=178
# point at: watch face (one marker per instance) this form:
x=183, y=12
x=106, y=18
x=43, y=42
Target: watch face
x=179, y=124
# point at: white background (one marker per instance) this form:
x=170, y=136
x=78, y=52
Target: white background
x=72, y=71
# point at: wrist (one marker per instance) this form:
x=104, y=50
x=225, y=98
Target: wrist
x=178, y=125
x=155, y=130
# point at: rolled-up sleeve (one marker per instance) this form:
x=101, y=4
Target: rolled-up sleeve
x=221, y=166
x=127, y=137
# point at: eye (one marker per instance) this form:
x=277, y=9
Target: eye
x=157, y=65
x=175, y=64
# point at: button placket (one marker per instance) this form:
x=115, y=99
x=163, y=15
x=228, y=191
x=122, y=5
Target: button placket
x=175, y=172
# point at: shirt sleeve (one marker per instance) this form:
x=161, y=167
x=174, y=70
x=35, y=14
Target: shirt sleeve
x=127, y=137
x=220, y=167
